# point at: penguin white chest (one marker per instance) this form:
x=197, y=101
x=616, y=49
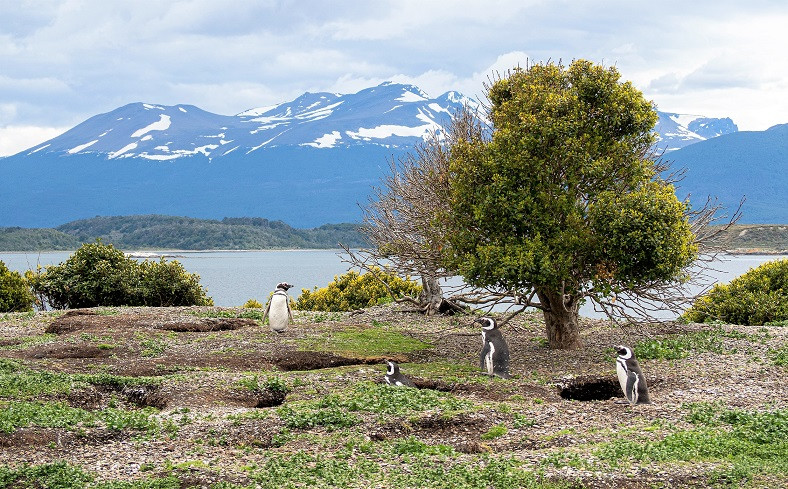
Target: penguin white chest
x=488, y=360
x=278, y=316
x=623, y=374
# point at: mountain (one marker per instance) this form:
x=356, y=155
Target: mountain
x=677, y=131
x=750, y=164
x=389, y=115
x=306, y=162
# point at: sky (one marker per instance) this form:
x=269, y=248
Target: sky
x=62, y=62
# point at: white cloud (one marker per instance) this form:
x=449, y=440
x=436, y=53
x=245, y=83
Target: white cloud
x=68, y=60
x=14, y=139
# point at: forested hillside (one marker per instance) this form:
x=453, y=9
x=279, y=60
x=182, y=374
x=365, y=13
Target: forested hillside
x=183, y=233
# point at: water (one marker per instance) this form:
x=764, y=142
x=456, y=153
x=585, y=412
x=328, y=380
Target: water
x=233, y=277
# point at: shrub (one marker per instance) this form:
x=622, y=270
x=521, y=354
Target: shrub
x=14, y=292
x=355, y=291
x=757, y=297
x=166, y=283
x=101, y=275
x=252, y=304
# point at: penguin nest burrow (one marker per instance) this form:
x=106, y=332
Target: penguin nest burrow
x=590, y=388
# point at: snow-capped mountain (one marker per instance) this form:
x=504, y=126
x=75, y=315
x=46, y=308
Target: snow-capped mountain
x=307, y=162
x=388, y=115
x=676, y=131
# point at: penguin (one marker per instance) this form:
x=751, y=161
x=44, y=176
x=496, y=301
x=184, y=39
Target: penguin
x=631, y=378
x=279, y=308
x=494, y=357
x=395, y=377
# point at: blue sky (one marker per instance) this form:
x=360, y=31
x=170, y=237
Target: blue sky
x=64, y=61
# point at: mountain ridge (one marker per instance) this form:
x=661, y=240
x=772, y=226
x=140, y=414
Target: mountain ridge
x=306, y=162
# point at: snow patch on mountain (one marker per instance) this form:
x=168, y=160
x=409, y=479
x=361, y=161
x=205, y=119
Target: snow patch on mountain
x=76, y=149
x=162, y=124
x=326, y=140
x=123, y=150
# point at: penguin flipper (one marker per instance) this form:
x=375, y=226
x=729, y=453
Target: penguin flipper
x=483, y=357
x=631, y=391
x=265, y=313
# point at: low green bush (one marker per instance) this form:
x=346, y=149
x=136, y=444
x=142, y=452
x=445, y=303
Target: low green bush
x=15, y=294
x=759, y=296
x=101, y=275
x=352, y=291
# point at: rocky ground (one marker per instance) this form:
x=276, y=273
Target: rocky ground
x=213, y=380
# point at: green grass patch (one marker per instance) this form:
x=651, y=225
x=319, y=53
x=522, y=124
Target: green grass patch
x=385, y=399
x=446, y=371
x=15, y=415
x=411, y=468
x=61, y=475
x=272, y=383
x=368, y=341
x=750, y=442
x=496, y=431
x=779, y=356
x=680, y=346
x=336, y=411
x=20, y=382
x=26, y=342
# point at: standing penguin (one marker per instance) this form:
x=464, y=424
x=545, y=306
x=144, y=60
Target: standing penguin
x=494, y=357
x=631, y=378
x=278, y=309
x=394, y=377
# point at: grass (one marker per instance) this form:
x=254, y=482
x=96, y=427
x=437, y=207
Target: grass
x=676, y=347
x=779, y=356
x=20, y=382
x=494, y=432
x=29, y=341
x=61, y=475
x=15, y=415
x=335, y=411
x=272, y=383
x=416, y=465
x=446, y=371
x=365, y=342
x=748, y=443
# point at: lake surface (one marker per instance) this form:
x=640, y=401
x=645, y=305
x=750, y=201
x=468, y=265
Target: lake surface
x=233, y=277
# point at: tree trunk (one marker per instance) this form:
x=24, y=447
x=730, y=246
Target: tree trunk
x=561, y=318
x=431, y=295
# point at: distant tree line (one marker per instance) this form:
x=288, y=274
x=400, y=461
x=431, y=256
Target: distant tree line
x=170, y=232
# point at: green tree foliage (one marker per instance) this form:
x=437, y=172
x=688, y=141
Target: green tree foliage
x=759, y=296
x=562, y=203
x=101, y=275
x=352, y=291
x=14, y=292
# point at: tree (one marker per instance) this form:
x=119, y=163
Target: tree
x=14, y=293
x=565, y=202
x=404, y=220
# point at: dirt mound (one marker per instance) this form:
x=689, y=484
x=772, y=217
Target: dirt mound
x=87, y=320
x=314, y=360
x=70, y=351
x=207, y=324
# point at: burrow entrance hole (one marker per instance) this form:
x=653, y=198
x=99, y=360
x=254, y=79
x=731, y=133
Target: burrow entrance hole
x=590, y=389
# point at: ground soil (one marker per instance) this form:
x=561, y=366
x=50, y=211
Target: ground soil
x=571, y=398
